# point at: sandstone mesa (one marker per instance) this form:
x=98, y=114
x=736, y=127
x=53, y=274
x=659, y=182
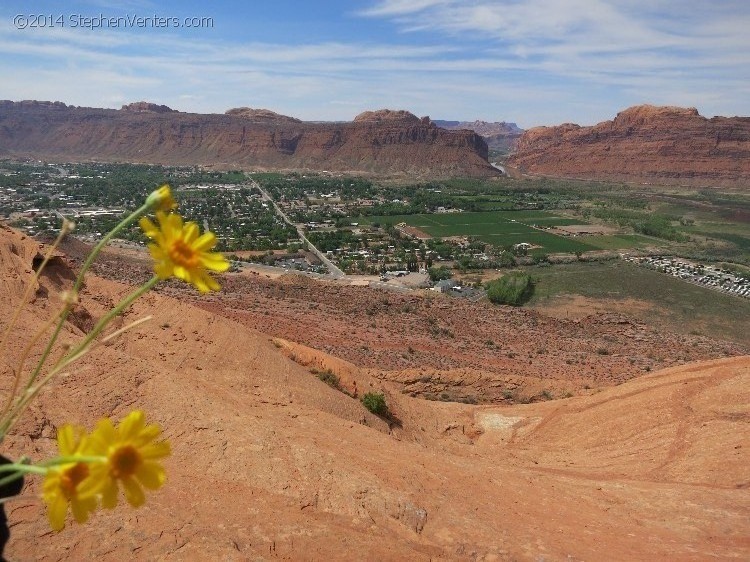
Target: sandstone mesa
x=384, y=142
x=644, y=144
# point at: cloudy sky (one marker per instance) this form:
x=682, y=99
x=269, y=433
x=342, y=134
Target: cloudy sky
x=535, y=62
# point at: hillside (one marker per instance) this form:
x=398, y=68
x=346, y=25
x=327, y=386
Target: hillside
x=645, y=144
x=270, y=462
x=392, y=143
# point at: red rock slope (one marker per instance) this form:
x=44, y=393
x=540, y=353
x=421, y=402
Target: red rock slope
x=270, y=463
x=662, y=145
x=384, y=142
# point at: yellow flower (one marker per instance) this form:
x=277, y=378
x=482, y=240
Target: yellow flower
x=162, y=199
x=179, y=251
x=132, y=453
x=62, y=484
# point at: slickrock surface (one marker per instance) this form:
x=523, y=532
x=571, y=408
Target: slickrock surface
x=382, y=142
x=271, y=463
x=645, y=144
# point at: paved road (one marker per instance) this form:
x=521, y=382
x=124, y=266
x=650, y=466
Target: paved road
x=332, y=267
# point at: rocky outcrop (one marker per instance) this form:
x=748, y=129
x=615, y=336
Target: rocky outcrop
x=649, y=144
x=144, y=106
x=390, y=116
x=384, y=142
x=261, y=115
x=499, y=136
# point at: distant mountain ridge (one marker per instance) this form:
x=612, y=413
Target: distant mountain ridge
x=644, y=143
x=499, y=135
x=383, y=142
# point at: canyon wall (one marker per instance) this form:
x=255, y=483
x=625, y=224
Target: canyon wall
x=644, y=144
x=383, y=142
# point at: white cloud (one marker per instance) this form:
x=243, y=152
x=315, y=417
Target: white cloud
x=534, y=61
x=401, y=7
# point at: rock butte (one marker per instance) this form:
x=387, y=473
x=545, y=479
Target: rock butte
x=269, y=462
x=384, y=142
x=644, y=144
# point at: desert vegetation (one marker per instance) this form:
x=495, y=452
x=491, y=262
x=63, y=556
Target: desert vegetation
x=515, y=289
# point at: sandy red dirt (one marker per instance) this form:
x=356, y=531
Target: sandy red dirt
x=271, y=463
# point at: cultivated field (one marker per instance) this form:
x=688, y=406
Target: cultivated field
x=505, y=228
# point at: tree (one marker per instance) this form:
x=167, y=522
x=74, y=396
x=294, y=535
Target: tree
x=439, y=273
x=514, y=289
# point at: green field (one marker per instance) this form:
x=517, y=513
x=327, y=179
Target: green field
x=672, y=303
x=619, y=241
x=499, y=228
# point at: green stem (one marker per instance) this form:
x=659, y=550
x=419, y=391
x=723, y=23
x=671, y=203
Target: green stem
x=68, y=459
x=124, y=303
x=143, y=209
x=10, y=478
x=80, y=349
x=23, y=468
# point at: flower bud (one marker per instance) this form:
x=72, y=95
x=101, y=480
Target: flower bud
x=161, y=199
x=69, y=297
x=67, y=226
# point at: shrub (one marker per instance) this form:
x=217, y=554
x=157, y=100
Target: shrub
x=375, y=402
x=439, y=273
x=330, y=379
x=514, y=289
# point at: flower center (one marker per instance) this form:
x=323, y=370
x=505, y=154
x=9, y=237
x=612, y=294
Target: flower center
x=71, y=477
x=182, y=254
x=124, y=461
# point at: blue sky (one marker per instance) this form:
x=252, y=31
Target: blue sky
x=535, y=62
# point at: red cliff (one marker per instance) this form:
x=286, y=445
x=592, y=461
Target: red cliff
x=386, y=142
x=661, y=145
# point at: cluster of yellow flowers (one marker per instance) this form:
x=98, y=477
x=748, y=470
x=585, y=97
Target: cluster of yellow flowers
x=95, y=464
x=91, y=466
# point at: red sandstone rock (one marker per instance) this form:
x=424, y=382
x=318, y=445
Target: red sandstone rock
x=376, y=142
x=262, y=115
x=664, y=145
x=141, y=106
x=268, y=462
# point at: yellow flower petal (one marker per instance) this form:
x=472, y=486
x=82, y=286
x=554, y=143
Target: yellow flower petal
x=190, y=233
x=62, y=483
x=131, y=459
x=151, y=475
x=206, y=241
x=180, y=251
x=146, y=435
x=57, y=509
x=103, y=434
x=215, y=262
x=148, y=227
x=109, y=494
x=131, y=425
x=156, y=450
x=164, y=270
x=133, y=492
x=66, y=440
x=81, y=508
